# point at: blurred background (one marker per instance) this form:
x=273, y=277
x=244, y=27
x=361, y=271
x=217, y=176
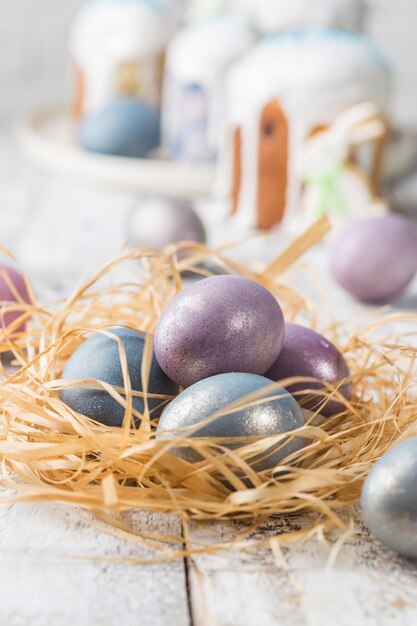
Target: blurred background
x=59, y=228
x=34, y=66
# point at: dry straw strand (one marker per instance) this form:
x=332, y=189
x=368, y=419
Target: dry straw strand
x=49, y=452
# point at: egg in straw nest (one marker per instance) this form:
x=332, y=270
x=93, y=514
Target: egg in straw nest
x=165, y=425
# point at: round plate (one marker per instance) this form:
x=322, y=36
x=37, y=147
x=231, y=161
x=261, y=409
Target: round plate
x=48, y=138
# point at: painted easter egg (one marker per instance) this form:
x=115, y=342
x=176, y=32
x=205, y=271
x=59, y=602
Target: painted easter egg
x=13, y=290
x=308, y=354
x=389, y=498
x=126, y=127
x=158, y=222
x=98, y=358
x=376, y=259
x=278, y=413
x=220, y=324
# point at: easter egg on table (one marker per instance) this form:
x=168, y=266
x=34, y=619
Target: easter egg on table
x=98, y=358
x=275, y=412
x=376, y=259
x=220, y=324
x=126, y=127
x=13, y=291
x=389, y=498
x=308, y=354
x=158, y=222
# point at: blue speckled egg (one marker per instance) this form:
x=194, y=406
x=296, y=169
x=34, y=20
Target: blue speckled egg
x=126, y=127
x=98, y=358
x=389, y=498
x=277, y=413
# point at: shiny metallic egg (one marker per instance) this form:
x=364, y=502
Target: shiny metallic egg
x=389, y=498
x=218, y=325
x=307, y=354
x=277, y=413
x=98, y=358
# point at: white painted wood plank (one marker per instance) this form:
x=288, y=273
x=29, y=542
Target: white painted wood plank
x=367, y=586
x=56, y=568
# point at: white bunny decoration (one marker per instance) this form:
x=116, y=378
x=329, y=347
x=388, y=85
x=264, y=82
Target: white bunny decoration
x=334, y=183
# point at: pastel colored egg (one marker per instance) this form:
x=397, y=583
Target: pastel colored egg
x=158, y=222
x=13, y=291
x=98, y=358
x=389, y=498
x=278, y=413
x=308, y=354
x=126, y=127
x=376, y=259
x=220, y=324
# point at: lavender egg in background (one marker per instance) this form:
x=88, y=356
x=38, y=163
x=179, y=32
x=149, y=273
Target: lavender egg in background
x=308, y=354
x=158, y=222
x=13, y=290
x=376, y=259
x=98, y=358
x=126, y=127
x=389, y=498
x=278, y=413
x=220, y=324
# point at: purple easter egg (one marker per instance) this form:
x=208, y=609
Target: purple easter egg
x=221, y=324
x=376, y=259
x=12, y=290
x=306, y=353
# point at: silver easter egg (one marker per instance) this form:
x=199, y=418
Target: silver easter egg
x=158, y=222
x=389, y=498
x=277, y=412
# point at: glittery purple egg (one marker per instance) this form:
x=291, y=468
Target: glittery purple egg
x=220, y=324
x=13, y=290
x=376, y=259
x=308, y=354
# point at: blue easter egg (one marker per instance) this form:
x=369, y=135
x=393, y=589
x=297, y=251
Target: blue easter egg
x=126, y=127
x=389, y=498
x=98, y=358
x=277, y=413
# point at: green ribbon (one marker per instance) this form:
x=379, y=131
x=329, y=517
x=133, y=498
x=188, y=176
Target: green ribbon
x=331, y=197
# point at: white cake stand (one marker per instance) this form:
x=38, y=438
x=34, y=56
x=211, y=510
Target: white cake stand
x=48, y=138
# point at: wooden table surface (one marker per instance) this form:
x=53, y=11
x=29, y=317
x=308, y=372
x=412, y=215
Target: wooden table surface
x=58, y=567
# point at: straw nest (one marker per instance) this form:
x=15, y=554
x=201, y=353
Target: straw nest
x=50, y=452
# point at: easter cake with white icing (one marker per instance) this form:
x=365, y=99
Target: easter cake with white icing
x=287, y=89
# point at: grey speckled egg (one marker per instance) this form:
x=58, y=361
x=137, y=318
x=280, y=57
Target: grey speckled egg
x=126, y=127
x=376, y=259
x=279, y=414
x=308, y=354
x=220, y=324
x=158, y=222
x=98, y=358
x=389, y=498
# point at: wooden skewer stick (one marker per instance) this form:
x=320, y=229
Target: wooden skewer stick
x=300, y=246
